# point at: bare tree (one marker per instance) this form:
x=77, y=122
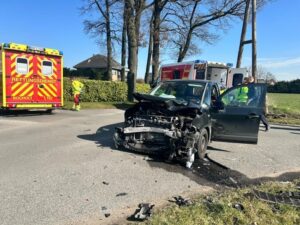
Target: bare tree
x=101, y=26
x=150, y=49
x=262, y=74
x=194, y=19
x=124, y=43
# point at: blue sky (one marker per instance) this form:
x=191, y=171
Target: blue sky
x=58, y=24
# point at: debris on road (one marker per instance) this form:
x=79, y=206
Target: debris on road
x=180, y=201
x=233, y=180
x=142, y=213
x=107, y=215
x=121, y=194
x=105, y=183
x=238, y=206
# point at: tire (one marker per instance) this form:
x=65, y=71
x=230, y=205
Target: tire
x=202, y=143
x=49, y=111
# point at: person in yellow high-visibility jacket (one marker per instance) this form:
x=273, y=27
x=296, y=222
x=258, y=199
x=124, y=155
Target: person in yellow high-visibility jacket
x=77, y=87
x=242, y=95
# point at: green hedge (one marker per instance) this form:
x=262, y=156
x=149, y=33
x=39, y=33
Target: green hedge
x=102, y=91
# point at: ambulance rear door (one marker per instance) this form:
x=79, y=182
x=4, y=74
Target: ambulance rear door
x=49, y=79
x=18, y=79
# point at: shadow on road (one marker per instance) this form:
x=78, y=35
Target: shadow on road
x=25, y=113
x=216, y=149
x=103, y=136
x=206, y=171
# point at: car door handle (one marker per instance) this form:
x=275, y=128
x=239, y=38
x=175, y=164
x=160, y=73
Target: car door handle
x=253, y=116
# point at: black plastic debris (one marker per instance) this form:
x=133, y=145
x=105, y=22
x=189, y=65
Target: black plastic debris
x=277, y=198
x=290, y=194
x=121, y=194
x=238, y=206
x=105, y=183
x=142, y=213
x=107, y=215
x=180, y=201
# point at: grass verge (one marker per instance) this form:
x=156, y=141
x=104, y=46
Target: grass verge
x=287, y=105
x=218, y=209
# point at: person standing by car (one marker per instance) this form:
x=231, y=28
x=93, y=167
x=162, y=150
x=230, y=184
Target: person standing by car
x=262, y=116
x=242, y=95
x=77, y=87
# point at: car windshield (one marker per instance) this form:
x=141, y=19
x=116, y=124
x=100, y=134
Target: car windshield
x=181, y=91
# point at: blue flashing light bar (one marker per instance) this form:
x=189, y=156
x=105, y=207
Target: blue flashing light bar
x=200, y=61
x=229, y=65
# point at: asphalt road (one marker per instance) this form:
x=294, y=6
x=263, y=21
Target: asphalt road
x=63, y=169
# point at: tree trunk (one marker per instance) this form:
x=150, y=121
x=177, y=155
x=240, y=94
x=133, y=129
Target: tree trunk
x=132, y=49
x=156, y=39
x=149, y=57
x=254, y=53
x=124, y=40
x=183, y=51
x=108, y=41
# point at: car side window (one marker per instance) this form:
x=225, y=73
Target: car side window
x=244, y=96
x=207, y=96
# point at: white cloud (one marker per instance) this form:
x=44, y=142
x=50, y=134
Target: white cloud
x=279, y=62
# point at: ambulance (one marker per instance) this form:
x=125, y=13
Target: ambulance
x=30, y=77
x=221, y=73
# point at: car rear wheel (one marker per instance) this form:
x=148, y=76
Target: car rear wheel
x=202, y=143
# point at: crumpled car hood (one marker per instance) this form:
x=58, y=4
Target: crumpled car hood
x=170, y=104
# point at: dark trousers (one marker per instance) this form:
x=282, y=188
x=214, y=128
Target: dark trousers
x=264, y=121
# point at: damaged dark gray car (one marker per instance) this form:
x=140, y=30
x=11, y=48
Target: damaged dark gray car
x=180, y=117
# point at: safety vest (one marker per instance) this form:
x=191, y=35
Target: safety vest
x=77, y=87
x=243, y=94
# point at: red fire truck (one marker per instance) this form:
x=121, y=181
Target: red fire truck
x=30, y=77
x=221, y=73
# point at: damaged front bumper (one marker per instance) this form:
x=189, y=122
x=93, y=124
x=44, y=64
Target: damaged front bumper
x=143, y=139
x=152, y=140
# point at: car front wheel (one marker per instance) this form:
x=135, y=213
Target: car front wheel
x=202, y=143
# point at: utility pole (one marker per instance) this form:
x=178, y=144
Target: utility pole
x=252, y=41
x=243, y=35
x=254, y=54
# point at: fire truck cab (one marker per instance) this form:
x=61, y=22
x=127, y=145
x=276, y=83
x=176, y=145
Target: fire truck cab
x=30, y=77
x=221, y=73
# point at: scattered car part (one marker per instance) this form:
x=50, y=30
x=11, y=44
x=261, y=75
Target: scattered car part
x=180, y=201
x=142, y=213
x=238, y=206
x=272, y=198
x=121, y=194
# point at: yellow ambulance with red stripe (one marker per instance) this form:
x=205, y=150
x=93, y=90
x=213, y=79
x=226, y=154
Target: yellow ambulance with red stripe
x=30, y=77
